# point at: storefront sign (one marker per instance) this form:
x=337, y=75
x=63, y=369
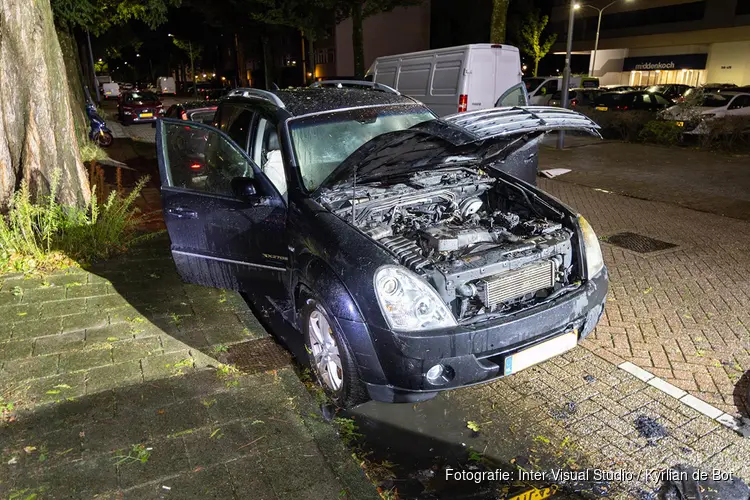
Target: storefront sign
x=652, y=63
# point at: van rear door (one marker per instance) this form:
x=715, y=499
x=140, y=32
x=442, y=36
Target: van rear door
x=480, y=78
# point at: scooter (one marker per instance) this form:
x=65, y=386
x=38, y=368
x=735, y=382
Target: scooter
x=99, y=133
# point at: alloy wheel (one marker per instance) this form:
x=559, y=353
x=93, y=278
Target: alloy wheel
x=325, y=351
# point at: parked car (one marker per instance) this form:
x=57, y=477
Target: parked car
x=576, y=97
x=400, y=255
x=697, y=117
x=139, y=107
x=542, y=88
x=672, y=91
x=110, y=90
x=634, y=100
x=197, y=111
x=124, y=86
x=166, y=85
x=618, y=88
x=447, y=80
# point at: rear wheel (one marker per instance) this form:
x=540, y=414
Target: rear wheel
x=330, y=358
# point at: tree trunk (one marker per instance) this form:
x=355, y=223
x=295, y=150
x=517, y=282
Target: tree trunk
x=75, y=74
x=536, y=66
x=239, y=49
x=358, y=42
x=499, y=21
x=266, y=65
x=37, y=130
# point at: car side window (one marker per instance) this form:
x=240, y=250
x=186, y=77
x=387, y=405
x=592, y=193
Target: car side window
x=661, y=101
x=235, y=121
x=741, y=101
x=201, y=159
x=549, y=88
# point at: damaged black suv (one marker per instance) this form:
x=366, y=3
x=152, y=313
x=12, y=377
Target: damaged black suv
x=396, y=244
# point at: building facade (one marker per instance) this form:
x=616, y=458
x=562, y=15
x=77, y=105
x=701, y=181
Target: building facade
x=662, y=41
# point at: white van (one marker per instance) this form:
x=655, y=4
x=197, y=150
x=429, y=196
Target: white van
x=542, y=88
x=166, y=85
x=111, y=90
x=455, y=79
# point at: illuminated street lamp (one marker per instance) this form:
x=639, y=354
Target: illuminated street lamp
x=598, y=25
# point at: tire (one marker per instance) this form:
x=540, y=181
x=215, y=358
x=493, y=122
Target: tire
x=342, y=385
x=104, y=140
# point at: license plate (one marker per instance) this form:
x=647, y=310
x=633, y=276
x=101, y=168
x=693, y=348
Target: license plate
x=602, y=108
x=146, y=115
x=535, y=494
x=680, y=124
x=540, y=352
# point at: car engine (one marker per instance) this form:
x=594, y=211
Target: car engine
x=480, y=241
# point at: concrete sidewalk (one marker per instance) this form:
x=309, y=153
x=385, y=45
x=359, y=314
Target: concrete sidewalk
x=122, y=384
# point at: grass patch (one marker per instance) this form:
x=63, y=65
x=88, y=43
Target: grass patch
x=41, y=234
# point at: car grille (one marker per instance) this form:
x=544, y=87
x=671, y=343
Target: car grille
x=518, y=282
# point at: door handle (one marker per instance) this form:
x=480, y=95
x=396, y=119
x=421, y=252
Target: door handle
x=182, y=213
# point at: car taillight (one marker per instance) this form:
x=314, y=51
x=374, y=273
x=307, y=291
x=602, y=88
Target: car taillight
x=574, y=102
x=195, y=166
x=463, y=103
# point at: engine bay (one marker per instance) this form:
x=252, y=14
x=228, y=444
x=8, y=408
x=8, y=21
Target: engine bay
x=485, y=244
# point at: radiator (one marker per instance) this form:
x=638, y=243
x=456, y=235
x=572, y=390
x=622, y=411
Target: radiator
x=518, y=282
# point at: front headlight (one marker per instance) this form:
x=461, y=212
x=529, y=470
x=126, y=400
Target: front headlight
x=408, y=303
x=594, y=260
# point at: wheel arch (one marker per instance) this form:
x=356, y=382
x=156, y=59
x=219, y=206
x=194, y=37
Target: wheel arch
x=317, y=280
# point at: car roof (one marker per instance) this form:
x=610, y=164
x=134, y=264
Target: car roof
x=303, y=101
x=191, y=105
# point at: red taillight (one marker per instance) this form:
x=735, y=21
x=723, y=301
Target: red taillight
x=496, y=46
x=463, y=103
x=574, y=102
x=196, y=166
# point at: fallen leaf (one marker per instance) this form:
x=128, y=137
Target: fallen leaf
x=29, y=449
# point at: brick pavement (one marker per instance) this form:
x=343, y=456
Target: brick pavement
x=98, y=363
x=682, y=314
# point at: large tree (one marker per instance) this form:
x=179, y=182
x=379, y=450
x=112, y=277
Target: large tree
x=37, y=129
x=499, y=21
x=358, y=11
x=532, y=33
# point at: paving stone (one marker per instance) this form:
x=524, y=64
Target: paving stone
x=111, y=376
x=84, y=360
x=83, y=321
x=92, y=290
x=64, y=307
x=127, y=350
x=36, y=328
x=37, y=295
x=31, y=368
x=167, y=365
x=218, y=443
x=55, y=389
x=197, y=484
x=167, y=458
x=106, y=302
x=108, y=334
x=59, y=343
x=15, y=349
x=245, y=474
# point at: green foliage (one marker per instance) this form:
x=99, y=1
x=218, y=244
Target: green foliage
x=531, y=37
x=137, y=453
x=98, y=16
x=91, y=152
x=499, y=21
x=660, y=132
x=44, y=234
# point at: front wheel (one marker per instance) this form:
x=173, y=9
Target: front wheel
x=103, y=139
x=330, y=357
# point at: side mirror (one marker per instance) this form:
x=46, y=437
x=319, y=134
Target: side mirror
x=244, y=188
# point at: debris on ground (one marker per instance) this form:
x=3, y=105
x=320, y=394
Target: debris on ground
x=685, y=482
x=650, y=429
x=564, y=412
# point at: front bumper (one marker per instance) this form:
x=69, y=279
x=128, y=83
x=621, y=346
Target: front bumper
x=477, y=353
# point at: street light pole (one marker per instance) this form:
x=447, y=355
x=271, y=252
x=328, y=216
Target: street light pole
x=566, y=71
x=598, y=26
x=192, y=71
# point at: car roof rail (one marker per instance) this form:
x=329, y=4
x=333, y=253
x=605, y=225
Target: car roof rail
x=260, y=94
x=359, y=83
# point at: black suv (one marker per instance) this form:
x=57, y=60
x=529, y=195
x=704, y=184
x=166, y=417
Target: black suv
x=404, y=256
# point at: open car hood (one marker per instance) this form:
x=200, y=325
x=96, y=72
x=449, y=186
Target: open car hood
x=486, y=137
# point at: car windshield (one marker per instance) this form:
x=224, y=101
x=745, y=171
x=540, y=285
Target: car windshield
x=656, y=88
x=322, y=142
x=142, y=96
x=532, y=83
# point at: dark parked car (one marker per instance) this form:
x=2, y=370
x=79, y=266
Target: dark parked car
x=405, y=258
x=576, y=97
x=197, y=111
x=634, y=100
x=139, y=107
x=672, y=91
